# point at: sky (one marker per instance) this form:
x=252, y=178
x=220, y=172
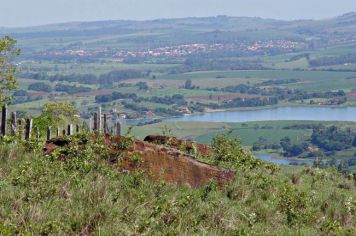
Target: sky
x=15, y=13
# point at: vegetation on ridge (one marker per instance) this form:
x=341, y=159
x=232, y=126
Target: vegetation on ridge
x=87, y=195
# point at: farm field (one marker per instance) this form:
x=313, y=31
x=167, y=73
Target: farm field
x=310, y=80
x=168, y=84
x=249, y=133
x=212, y=63
x=203, y=132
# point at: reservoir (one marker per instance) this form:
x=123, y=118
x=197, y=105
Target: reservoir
x=282, y=113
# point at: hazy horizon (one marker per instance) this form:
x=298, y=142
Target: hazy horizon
x=20, y=13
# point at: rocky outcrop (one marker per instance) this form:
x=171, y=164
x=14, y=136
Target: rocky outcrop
x=159, y=163
x=172, y=166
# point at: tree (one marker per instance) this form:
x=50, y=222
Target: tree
x=354, y=142
x=188, y=84
x=142, y=86
x=56, y=114
x=8, y=52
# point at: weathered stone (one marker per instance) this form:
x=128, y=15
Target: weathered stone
x=158, y=162
x=52, y=144
x=172, y=166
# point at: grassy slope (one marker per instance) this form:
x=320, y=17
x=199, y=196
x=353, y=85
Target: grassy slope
x=85, y=195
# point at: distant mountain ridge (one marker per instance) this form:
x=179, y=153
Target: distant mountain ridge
x=87, y=25
x=166, y=32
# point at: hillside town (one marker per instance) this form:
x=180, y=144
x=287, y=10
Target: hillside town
x=175, y=51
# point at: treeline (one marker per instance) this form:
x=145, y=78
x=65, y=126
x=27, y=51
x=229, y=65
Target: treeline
x=282, y=93
x=176, y=99
x=115, y=96
x=277, y=82
x=40, y=87
x=333, y=138
x=324, y=141
x=304, y=126
x=22, y=96
x=329, y=61
x=301, y=95
x=245, y=102
x=71, y=89
x=342, y=166
x=104, y=79
x=158, y=111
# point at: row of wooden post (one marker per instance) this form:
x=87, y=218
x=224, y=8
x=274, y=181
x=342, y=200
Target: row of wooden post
x=16, y=126
x=102, y=126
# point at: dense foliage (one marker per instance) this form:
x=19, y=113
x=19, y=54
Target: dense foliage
x=56, y=114
x=71, y=89
x=105, y=79
x=8, y=52
x=333, y=138
x=41, y=87
x=336, y=60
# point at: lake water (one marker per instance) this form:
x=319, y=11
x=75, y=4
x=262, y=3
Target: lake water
x=283, y=161
x=282, y=113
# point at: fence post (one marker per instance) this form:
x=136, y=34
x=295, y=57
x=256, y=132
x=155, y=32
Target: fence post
x=95, y=122
x=90, y=125
x=105, y=123
x=99, y=120
x=3, y=120
x=58, y=131
x=118, y=128
x=70, y=130
x=49, y=133
x=13, y=124
x=28, y=128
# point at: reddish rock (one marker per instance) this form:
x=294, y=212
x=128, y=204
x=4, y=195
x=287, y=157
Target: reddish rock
x=160, y=163
x=52, y=144
x=173, y=166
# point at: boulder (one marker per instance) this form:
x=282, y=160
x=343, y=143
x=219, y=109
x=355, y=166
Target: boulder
x=172, y=166
x=158, y=162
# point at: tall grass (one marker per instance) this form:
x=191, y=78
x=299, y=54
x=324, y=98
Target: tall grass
x=86, y=195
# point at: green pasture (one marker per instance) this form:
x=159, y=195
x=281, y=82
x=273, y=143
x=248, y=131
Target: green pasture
x=263, y=74
x=96, y=68
x=248, y=132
